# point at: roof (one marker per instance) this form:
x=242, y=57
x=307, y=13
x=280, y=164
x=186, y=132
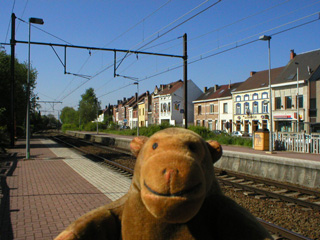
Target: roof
x=307, y=63
x=260, y=79
x=219, y=91
x=170, y=88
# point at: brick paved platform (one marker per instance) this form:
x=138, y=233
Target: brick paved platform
x=43, y=195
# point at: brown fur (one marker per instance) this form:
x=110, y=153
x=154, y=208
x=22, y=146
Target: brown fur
x=174, y=195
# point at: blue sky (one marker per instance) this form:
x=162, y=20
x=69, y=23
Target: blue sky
x=158, y=26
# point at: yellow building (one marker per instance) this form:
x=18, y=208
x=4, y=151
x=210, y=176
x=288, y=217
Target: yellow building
x=141, y=114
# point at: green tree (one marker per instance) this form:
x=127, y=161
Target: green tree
x=88, y=106
x=69, y=116
x=21, y=70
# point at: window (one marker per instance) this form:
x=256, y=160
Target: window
x=265, y=107
x=211, y=108
x=246, y=108
x=300, y=98
x=278, y=102
x=199, y=110
x=313, y=107
x=238, y=108
x=288, y=102
x=255, y=107
x=238, y=99
x=255, y=96
x=169, y=107
x=264, y=95
x=225, y=108
x=246, y=97
x=198, y=123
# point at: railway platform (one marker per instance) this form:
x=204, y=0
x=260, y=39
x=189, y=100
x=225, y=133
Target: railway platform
x=41, y=196
x=297, y=168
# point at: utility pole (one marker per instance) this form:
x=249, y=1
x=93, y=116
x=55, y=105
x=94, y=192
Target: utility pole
x=12, y=84
x=185, y=79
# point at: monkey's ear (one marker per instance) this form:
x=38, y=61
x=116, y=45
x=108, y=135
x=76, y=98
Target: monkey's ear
x=137, y=143
x=215, y=150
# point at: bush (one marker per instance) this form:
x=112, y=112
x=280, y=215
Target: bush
x=69, y=126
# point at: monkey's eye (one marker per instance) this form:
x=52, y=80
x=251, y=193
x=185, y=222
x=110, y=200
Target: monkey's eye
x=155, y=145
x=192, y=147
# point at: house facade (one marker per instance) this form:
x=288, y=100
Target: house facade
x=251, y=102
x=296, y=92
x=213, y=109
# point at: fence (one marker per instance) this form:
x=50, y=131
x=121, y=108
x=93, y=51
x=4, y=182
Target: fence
x=297, y=142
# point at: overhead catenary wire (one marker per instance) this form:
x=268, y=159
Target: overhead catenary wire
x=24, y=9
x=201, y=57
x=185, y=21
x=129, y=29
x=235, y=22
x=14, y=2
x=108, y=67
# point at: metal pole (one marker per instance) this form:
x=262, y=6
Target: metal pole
x=97, y=122
x=185, y=79
x=297, y=98
x=270, y=92
x=28, y=102
x=138, y=108
x=12, y=42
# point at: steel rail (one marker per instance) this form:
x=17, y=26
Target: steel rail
x=114, y=164
x=271, y=194
x=282, y=231
x=270, y=182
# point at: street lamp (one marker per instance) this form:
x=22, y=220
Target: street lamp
x=34, y=21
x=298, y=119
x=268, y=38
x=137, y=83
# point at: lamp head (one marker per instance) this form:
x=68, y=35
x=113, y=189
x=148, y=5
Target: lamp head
x=36, y=20
x=264, y=37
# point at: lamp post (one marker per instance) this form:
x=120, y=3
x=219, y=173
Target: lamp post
x=34, y=21
x=268, y=38
x=137, y=83
x=298, y=119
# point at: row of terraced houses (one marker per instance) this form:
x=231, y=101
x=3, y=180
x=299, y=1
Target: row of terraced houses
x=242, y=106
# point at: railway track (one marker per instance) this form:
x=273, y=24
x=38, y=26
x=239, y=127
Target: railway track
x=250, y=185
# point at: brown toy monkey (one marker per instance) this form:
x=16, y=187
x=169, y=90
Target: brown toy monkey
x=173, y=195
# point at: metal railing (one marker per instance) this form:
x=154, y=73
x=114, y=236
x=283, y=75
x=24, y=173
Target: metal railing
x=297, y=142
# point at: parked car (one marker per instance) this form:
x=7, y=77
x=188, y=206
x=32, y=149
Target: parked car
x=240, y=134
x=237, y=134
x=217, y=131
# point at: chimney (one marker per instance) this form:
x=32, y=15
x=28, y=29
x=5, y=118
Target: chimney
x=136, y=96
x=229, y=84
x=205, y=89
x=216, y=87
x=124, y=99
x=252, y=73
x=161, y=86
x=292, y=54
x=147, y=92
